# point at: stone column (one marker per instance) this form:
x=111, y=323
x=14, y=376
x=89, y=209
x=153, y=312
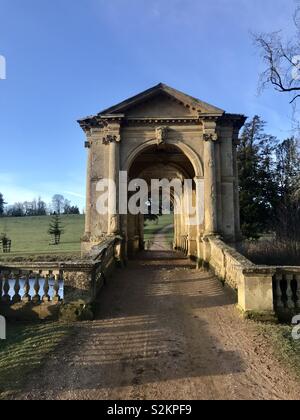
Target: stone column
x=210, y=138
x=199, y=181
x=238, y=234
x=112, y=140
x=219, y=185
x=228, y=183
x=175, y=230
x=88, y=210
x=183, y=223
x=114, y=165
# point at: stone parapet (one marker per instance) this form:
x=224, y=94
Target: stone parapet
x=262, y=290
x=45, y=290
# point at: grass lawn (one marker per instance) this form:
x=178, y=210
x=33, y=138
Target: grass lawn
x=29, y=235
x=152, y=228
x=25, y=350
x=285, y=348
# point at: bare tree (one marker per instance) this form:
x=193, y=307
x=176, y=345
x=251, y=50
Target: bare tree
x=282, y=64
x=282, y=59
x=58, y=202
x=41, y=207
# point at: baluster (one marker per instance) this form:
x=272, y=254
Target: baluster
x=289, y=292
x=298, y=291
x=51, y=283
x=279, y=300
x=6, y=288
x=56, y=297
x=62, y=279
x=46, y=297
x=36, y=298
x=17, y=288
x=27, y=298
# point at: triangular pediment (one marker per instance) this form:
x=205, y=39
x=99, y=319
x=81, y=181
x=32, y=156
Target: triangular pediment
x=160, y=106
x=162, y=101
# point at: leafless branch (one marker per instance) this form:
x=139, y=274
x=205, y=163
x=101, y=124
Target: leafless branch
x=280, y=63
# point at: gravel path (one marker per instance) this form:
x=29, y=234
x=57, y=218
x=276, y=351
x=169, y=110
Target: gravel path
x=161, y=240
x=163, y=331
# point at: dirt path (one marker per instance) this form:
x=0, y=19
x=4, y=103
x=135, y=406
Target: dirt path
x=160, y=241
x=163, y=331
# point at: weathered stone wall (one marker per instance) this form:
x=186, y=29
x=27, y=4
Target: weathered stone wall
x=227, y=263
x=254, y=284
x=262, y=291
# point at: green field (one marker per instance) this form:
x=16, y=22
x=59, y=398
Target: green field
x=29, y=235
x=152, y=228
x=30, y=238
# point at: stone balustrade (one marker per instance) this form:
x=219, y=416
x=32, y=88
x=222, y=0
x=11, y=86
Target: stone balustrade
x=263, y=291
x=18, y=286
x=286, y=289
x=252, y=283
x=46, y=289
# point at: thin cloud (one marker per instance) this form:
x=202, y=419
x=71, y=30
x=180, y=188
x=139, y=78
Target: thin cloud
x=13, y=190
x=74, y=194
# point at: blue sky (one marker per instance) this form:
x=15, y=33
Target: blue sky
x=67, y=59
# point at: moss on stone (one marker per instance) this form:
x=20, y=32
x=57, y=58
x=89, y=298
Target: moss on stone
x=76, y=311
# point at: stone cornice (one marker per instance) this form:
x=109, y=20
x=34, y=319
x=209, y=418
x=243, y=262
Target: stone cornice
x=100, y=122
x=109, y=122
x=237, y=120
x=104, y=121
x=111, y=119
x=161, y=121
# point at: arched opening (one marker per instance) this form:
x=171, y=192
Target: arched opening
x=170, y=167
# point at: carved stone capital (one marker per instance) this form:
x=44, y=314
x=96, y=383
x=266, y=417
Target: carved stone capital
x=210, y=137
x=111, y=138
x=112, y=133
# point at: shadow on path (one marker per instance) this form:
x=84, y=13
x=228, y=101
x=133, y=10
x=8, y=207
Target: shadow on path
x=147, y=331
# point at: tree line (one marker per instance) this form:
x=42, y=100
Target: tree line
x=37, y=207
x=269, y=172
x=269, y=183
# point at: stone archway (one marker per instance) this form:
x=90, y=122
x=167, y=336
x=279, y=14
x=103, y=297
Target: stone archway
x=184, y=148
x=166, y=164
x=165, y=119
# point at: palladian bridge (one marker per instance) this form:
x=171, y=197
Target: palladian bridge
x=160, y=134
x=165, y=134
